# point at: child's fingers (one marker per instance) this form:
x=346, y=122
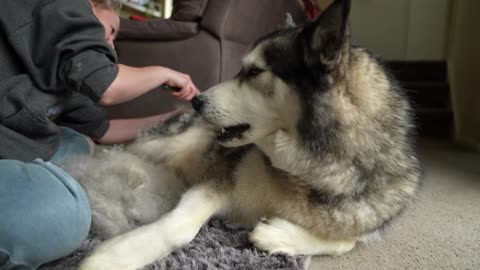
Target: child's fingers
x=193, y=94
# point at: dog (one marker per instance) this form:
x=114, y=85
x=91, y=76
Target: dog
x=311, y=144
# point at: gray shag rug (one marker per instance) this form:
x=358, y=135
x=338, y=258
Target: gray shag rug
x=217, y=246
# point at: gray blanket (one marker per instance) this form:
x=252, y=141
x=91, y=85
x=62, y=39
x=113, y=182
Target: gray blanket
x=217, y=246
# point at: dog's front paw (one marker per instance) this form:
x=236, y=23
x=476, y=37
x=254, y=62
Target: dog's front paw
x=105, y=262
x=99, y=262
x=115, y=254
x=95, y=264
x=279, y=235
x=274, y=236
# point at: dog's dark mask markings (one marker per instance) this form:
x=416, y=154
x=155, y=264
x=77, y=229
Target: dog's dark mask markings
x=247, y=73
x=306, y=59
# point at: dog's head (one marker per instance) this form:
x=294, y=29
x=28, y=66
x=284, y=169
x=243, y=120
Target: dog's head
x=280, y=79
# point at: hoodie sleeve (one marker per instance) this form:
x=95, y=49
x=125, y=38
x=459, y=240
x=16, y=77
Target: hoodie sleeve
x=84, y=116
x=62, y=45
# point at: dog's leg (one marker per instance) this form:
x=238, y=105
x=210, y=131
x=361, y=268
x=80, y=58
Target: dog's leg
x=146, y=244
x=279, y=235
x=185, y=153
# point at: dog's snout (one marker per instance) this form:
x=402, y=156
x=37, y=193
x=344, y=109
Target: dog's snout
x=197, y=103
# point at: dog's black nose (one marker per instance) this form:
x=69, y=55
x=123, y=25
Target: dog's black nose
x=197, y=103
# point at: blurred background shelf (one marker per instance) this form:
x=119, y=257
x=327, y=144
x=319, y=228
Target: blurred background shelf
x=148, y=9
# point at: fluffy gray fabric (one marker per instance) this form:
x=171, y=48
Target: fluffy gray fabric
x=217, y=246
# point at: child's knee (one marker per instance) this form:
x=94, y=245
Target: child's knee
x=45, y=215
x=72, y=144
x=53, y=233
x=91, y=143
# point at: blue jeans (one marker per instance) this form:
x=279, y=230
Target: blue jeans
x=44, y=213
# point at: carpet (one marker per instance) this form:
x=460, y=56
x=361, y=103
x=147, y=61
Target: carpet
x=440, y=231
x=217, y=246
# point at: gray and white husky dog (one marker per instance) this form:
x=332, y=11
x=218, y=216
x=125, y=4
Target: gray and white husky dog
x=310, y=144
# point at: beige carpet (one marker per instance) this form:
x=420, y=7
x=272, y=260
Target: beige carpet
x=442, y=231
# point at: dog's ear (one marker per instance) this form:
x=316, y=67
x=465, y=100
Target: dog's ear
x=324, y=38
x=289, y=22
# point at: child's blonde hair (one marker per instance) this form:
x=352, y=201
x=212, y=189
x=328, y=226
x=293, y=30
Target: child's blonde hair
x=115, y=5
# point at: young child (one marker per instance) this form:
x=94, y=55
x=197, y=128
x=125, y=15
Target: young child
x=58, y=66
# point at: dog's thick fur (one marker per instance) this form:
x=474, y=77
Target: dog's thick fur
x=310, y=143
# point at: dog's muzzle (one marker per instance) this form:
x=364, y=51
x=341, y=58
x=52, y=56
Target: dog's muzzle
x=224, y=133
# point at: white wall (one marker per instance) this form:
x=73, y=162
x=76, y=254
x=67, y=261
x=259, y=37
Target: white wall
x=464, y=70
x=401, y=29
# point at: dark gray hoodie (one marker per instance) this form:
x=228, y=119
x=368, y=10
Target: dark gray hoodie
x=54, y=67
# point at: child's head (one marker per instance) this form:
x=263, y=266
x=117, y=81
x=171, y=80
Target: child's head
x=114, y=5
x=107, y=13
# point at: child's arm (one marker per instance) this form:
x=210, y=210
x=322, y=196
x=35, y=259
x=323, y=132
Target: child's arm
x=132, y=82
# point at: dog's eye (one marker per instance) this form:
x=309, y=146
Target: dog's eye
x=254, y=71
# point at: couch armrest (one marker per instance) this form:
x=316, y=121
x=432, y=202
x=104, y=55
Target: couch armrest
x=157, y=29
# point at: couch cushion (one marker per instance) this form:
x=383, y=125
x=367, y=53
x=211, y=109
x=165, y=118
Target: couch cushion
x=188, y=10
x=157, y=29
x=244, y=21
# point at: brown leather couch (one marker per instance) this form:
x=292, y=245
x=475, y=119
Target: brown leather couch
x=204, y=38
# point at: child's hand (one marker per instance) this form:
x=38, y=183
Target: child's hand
x=183, y=81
